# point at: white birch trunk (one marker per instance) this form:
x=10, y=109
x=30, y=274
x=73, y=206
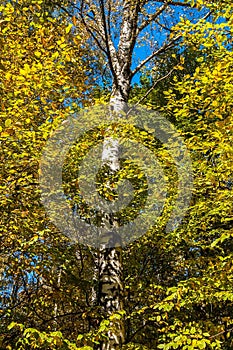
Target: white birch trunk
x=111, y=285
x=110, y=259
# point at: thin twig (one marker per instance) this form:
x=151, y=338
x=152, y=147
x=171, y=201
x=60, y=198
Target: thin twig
x=162, y=49
x=146, y=22
x=152, y=88
x=220, y=333
x=109, y=54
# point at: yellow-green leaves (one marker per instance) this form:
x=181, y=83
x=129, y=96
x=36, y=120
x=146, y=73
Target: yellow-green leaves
x=68, y=28
x=203, y=112
x=40, y=87
x=7, y=123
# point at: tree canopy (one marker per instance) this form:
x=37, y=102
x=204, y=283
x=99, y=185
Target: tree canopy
x=177, y=286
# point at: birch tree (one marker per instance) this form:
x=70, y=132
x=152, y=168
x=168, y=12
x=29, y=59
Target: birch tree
x=118, y=28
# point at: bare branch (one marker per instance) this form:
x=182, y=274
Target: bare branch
x=110, y=50
x=175, y=3
x=109, y=18
x=63, y=315
x=146, y=22
x=90, y=29
x=164, y=27
x=152, y=87
x=179, y=3
x=220, y=333
x=162, y=49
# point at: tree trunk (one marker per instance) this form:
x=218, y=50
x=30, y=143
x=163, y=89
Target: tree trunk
x=110, y=269
x=110, y=259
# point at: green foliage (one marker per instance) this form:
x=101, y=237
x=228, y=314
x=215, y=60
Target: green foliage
x=42, y=80
x=178, y=285
x=204, y=115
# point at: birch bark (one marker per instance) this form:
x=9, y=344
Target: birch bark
x=110, y=278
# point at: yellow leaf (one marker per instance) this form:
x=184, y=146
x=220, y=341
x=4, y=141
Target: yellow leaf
x=7, y=123
x=25, y=70
x=4, y=134
x=77, y=39
x=8, y=75
x=68, y=28
x=74, y=20
x=60, y=41
x=37, y=54
x=62, y=46
x=39, y=66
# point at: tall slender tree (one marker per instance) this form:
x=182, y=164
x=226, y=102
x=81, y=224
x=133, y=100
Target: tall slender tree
x=118, y=28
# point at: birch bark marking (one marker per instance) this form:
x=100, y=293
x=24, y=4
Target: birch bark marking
x=110, y=278
x=110, y=262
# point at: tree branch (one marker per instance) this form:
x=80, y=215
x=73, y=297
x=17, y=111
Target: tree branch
x=162, y=49
x=152, y=87
x=164, y=27
x=88, y=28
x=220, y=333
x=128, y=35
x=175, y=3
x=179, y=3
x=107, y=42
x=146, y=22
x=141, y=328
